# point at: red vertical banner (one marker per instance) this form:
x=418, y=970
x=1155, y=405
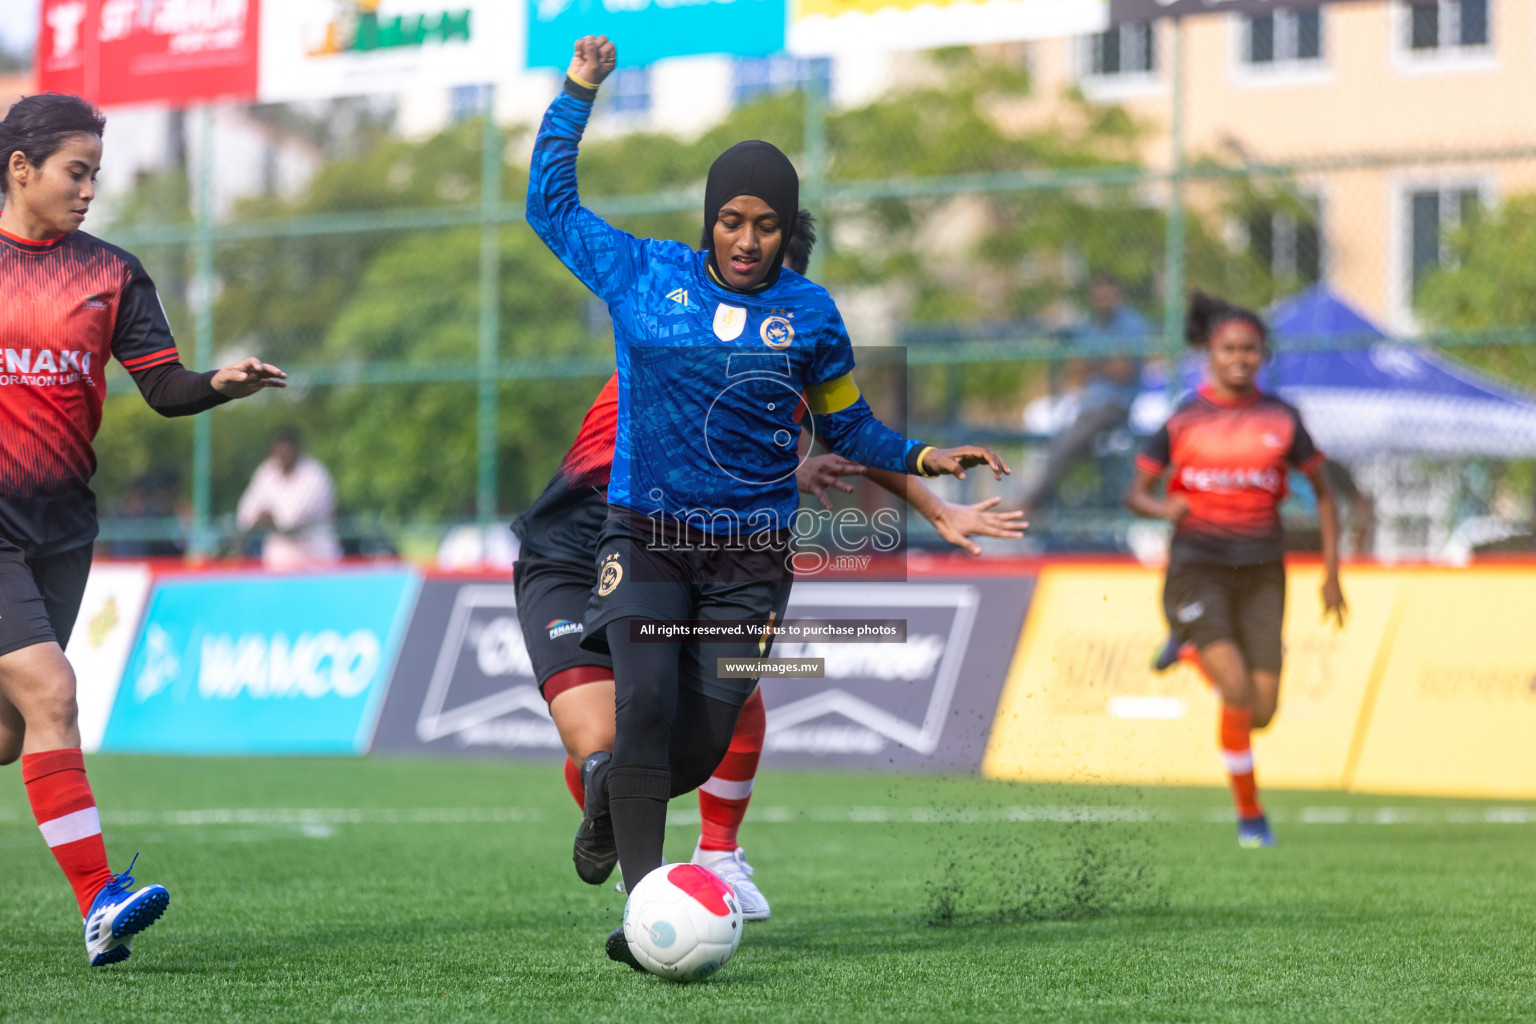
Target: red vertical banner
x=159, y=51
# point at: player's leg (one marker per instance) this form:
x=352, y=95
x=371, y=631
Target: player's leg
x=1259, y=619
x=1200, y=601
x=723, y=800
x=13, y=728
x=583, y=715
x=39, y=601
x=639, y=783
x=577, y=684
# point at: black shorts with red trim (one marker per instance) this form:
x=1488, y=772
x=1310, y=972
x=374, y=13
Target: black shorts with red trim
x=40, y=596
x=1241, y=603
x=552, y=597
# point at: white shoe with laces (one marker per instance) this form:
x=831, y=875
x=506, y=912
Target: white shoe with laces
x=732, y=866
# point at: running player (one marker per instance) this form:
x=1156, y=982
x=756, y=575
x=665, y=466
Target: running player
x=1227, y=450
x=70, y=303
x=714, y=349
x=555, y=576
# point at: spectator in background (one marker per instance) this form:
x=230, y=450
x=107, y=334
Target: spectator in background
x=292, y=501
x=1110, y=383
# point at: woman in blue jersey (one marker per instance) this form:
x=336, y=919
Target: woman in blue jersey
x=715, y=349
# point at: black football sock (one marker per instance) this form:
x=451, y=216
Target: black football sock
x=637, y=802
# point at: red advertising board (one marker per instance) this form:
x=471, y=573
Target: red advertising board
x=149, y=51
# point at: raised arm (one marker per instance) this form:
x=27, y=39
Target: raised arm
x=604, y=258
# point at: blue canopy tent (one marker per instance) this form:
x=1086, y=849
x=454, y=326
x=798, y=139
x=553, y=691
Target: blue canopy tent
x=1362, y=394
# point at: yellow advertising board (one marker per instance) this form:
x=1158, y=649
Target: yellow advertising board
x=1082, y=703
x=1455, y=713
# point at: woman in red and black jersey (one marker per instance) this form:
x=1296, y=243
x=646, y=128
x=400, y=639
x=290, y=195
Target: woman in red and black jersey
x=1227, y=451
x=68, y=303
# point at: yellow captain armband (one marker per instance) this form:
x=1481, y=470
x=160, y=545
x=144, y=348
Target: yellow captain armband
x=833, y=396
x=923, y=470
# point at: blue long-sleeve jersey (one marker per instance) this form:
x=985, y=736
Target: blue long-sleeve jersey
x=710, y=379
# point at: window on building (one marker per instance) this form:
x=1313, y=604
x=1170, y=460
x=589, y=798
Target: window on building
x=1283, y=37
x=627, y=91
x=751, y=78
x=1433, y=214
x=1434, y=27
x=1289, y=241
x=1128, y=49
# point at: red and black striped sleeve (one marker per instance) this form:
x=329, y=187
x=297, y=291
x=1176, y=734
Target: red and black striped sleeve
x=143, y=343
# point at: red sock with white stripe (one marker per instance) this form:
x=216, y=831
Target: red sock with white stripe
x=573, y=783
x=1237, y=758
x=723, y=799
x=66, y=815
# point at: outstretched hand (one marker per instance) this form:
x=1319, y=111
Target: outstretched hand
x=248, y=376
x=955, y=461
x=958, y=523
x=594, y=60
x=820, y=472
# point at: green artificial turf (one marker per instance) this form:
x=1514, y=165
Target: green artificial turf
x=443, y=891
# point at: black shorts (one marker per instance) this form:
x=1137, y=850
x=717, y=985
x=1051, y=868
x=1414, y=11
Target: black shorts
x=552, y=599
x=690, y=576
x=40, y=597
x=1241, y=603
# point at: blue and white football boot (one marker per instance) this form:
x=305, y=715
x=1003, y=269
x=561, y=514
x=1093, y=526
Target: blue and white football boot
x=1254, y=833
x=117, y=915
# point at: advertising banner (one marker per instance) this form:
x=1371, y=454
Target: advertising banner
x=464, y=683
x=925, y=704
x=1455, y=714
x=148, y=51
x=249, y=664
x=103, y=637
x=322, y=48
x=646, y=31
x=1083, y=704
x=829, y=27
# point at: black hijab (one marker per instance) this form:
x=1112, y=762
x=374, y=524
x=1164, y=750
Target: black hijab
x=757, y=169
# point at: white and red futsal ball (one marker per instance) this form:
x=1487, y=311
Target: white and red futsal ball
x=682, y=922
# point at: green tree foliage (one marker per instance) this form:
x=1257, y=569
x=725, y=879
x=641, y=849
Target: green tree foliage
x=1489, y=285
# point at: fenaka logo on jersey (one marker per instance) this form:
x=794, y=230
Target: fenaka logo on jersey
x=730, y=321
x=563, y=627
x=777, y=332
x=1231, y=479
x=609, y=575
x=44, y=367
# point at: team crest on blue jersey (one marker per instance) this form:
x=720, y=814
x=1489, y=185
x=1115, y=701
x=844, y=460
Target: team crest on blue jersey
x=777, y=332
x=730, y=321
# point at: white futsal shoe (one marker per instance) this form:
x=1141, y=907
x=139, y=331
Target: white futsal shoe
x=732, y=866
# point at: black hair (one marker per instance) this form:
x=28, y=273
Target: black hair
x=798, y=256
x=286, y=435
x=1207, y=312
x=39, y=125
x=802, y=240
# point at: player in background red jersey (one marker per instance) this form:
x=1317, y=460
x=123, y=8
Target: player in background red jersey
x=68, y=303
x=1227, y=451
